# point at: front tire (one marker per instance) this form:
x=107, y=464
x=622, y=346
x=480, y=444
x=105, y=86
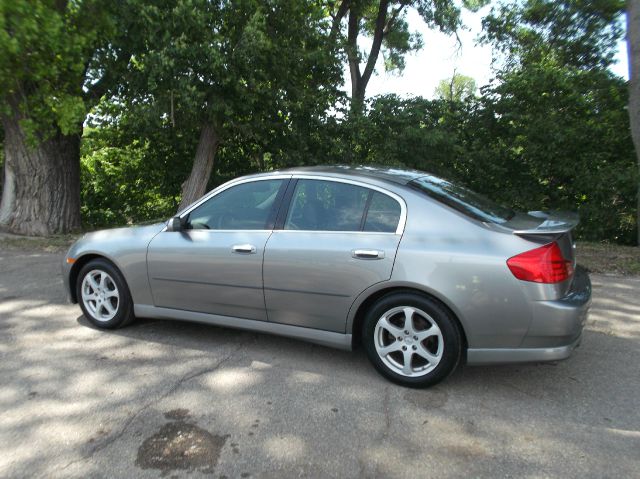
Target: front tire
x=412, y=340
x=103, y=295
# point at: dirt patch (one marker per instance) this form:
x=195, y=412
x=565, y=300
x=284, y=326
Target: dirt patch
x=177, y=414
x=180, y=445
x=50, y=244
x=609, y=258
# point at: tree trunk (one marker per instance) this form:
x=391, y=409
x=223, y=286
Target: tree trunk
x=41, y=194
x=633, y=48
x=360, y=80
x=196, y=185
x=357, y=90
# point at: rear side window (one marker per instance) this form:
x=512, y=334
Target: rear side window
x=319, y=205
x=326, y=206
x=383, y=214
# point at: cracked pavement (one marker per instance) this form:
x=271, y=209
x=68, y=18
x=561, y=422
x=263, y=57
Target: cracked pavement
x=175, y=399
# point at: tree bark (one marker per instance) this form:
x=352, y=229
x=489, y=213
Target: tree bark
x=196, y=185
x=41, y=193
x=633, y=49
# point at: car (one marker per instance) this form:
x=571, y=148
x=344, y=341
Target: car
x=421, y=272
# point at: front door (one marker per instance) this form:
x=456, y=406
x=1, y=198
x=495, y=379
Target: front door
x=337, y=239
x=215, y=264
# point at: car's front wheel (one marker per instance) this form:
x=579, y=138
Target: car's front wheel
x=411, y=339
x=103, y=295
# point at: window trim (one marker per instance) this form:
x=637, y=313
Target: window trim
x=216, y=191
x=289, y=200
x=286, y=200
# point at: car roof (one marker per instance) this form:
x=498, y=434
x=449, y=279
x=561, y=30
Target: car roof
x=392, y=175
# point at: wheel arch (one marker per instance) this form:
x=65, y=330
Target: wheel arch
x=368, y=298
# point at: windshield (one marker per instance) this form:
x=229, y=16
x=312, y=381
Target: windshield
x=462, y=199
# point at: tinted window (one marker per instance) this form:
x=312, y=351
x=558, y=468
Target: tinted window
x=247, y=206
x=326, y=206
x=462, y=199
x=383, y=214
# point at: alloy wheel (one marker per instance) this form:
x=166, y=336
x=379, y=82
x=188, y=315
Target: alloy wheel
x=100, y=295
x=408, y=341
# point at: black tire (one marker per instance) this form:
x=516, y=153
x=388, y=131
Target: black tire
x=450, y=337
x=124, y=304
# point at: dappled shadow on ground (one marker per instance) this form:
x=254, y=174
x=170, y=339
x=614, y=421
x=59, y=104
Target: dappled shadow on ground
x=153, y=398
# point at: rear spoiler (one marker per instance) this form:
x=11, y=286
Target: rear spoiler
x=554, y=223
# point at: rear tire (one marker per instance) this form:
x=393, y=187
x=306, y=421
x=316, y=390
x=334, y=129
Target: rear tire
x=103, y=295
x=412, y=340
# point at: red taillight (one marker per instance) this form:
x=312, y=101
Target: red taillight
x=541, y=265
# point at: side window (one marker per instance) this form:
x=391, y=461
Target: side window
x=247, y=206
x=383, y=214
x=319, y=205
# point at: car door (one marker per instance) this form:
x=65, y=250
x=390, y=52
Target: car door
x=214, y=265
x=335, y=239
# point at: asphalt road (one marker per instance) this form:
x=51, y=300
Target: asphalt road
x=185, y=400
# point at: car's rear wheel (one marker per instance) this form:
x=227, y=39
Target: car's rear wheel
x=103, y=295
x=411, y=339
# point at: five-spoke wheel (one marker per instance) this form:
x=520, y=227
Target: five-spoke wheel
x=411, y=339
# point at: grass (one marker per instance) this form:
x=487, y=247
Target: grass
x=596, y=257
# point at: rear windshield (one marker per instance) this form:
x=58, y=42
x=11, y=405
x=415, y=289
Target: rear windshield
x=462, y=199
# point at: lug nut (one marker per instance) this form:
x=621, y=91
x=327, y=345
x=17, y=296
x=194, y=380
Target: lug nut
x=406, y=332
x=415, y=347
x=399, y=338
x=415, y=337
x=404, y=348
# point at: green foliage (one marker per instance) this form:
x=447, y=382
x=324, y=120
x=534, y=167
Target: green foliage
x=558, y=115
x=580, y=33
x=546, y=138
x=240, y=65
x=551, y=132
x=458, y=88
x=132, y=166
x=558, y=138
x=45, y=51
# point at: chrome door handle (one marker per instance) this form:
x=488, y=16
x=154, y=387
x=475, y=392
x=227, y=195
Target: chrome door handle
x=243, y=248
x=367, y=254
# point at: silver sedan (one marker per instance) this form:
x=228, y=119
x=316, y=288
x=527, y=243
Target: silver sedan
x=422, y=272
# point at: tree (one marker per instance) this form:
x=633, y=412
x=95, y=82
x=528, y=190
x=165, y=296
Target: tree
x=231, y=70
x=556, y=57
x=633, y=48
x=580, y=33
x=384, y=21
x=49, y=51
x=45, y=50
x=458, y=88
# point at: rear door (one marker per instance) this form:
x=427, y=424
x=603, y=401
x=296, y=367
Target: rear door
x=215, y=264
x=336, y=239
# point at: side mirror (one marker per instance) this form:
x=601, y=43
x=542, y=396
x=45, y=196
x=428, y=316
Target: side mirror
x=174, y=224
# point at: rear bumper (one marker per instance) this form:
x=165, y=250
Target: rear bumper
x=555, y=330
x=520, y=355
